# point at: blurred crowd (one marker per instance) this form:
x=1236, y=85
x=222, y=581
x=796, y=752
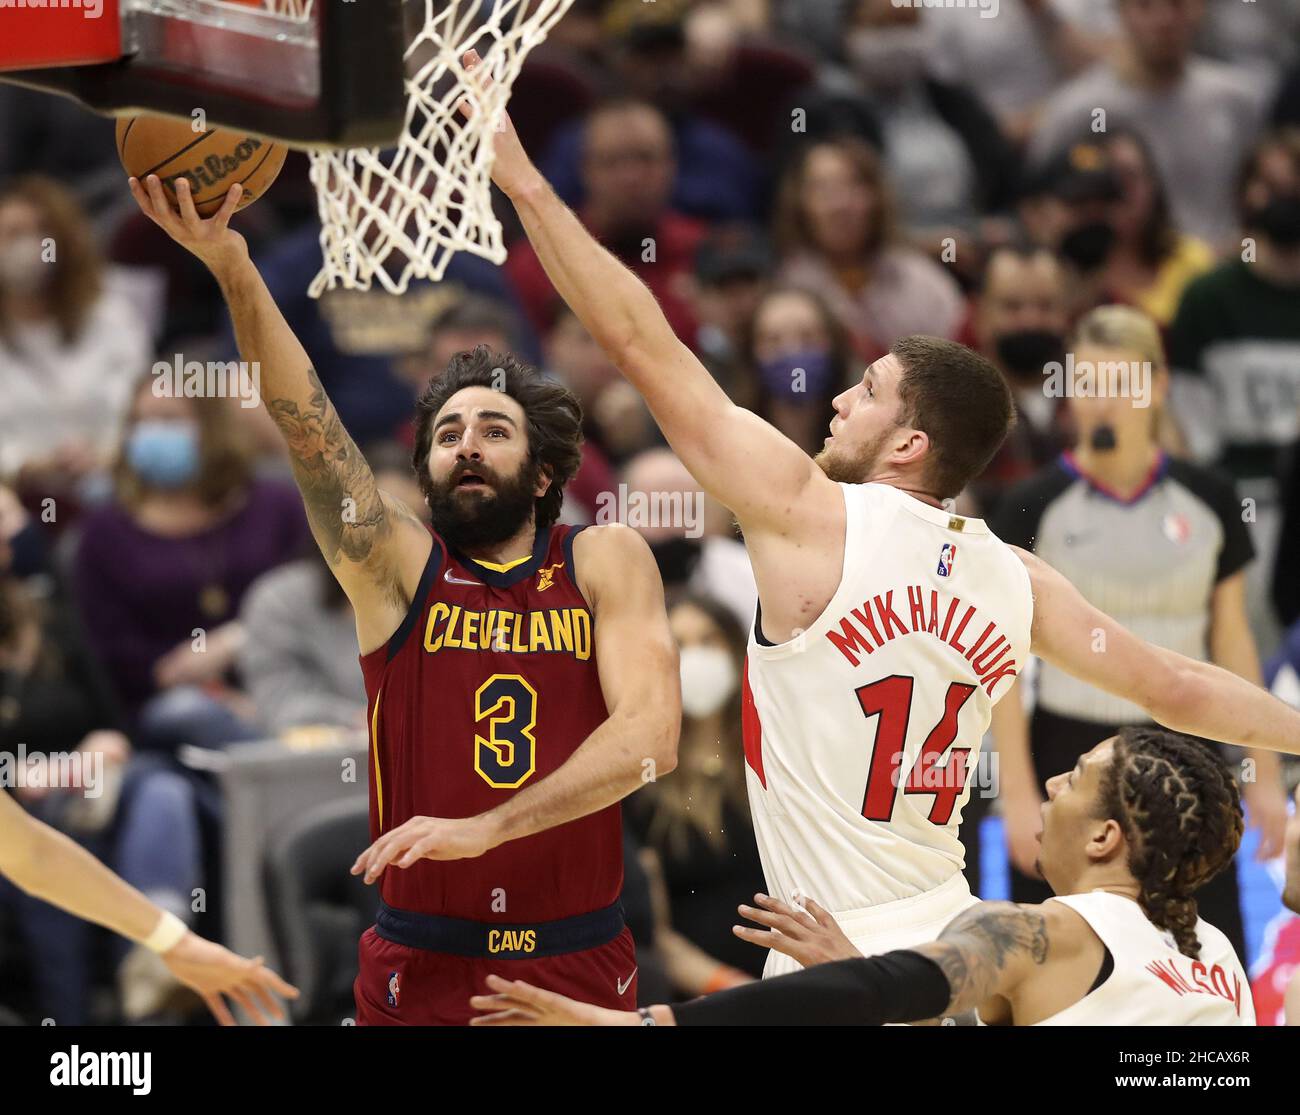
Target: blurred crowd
x=801, y=183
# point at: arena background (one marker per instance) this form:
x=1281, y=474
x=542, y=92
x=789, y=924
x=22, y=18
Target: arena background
x=800, y=182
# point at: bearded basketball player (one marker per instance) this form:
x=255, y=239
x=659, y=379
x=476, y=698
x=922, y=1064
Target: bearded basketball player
x=521, y=675
x=887, y=626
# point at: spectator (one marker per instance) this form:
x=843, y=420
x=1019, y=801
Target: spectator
x=628, y=166
x=691, y=559
x=1014, y=62
x=800, y=359
x=1181, y=103
x=836, y=234
x=1236, y=341
x=68, y=349
x=57, y=715
x=298, y=658
x=733, y=269
x=697, y=822
x=1020, y=324
x=1157, y=544
x=161, y=570
x=714, y=177
x=1151, y=262
x=943, y=150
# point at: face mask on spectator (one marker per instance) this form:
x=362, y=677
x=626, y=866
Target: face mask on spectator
x=708, y=680
x=164, y=454
x=781, y=375
x=1088, y=245
x=22, y=270
x=889, y=57
x=1279, y=220
x=676, y=558
x=1026, y=352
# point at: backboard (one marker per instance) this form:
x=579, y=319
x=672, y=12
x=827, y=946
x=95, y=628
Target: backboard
x=312, y=73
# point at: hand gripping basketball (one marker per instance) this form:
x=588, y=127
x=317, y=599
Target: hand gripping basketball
x=212, y=240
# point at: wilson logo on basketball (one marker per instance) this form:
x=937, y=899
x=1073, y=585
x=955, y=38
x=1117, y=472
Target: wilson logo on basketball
x=215, y=168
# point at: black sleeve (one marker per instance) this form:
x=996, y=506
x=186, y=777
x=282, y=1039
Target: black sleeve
x=1020, y=510
x=901, y=986
x=1219, y=494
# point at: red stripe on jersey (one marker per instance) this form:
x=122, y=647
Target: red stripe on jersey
x=751, y=729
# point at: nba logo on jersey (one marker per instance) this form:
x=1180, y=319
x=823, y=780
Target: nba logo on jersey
x=947, y=557
x=394, y=991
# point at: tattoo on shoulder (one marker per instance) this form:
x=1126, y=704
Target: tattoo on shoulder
x=346, y=511
x=978, y=946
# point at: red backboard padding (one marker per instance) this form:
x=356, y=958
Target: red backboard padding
x=60, y=36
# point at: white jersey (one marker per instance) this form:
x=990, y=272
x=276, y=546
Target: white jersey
x=862, y=733
x=1153, y=984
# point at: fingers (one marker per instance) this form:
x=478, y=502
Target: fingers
x=250, y=1008
x=281, y=987
x=378, y=852
x=221, y=220
x=164, y=214
x=264, y=996
x=142, y=199
x=777, y=915
x=763, y=938
x=512, y=1017
x=185, y=204
x=218, y=1007
x=526, y=994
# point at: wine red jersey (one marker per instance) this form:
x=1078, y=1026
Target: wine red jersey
x=489, y=685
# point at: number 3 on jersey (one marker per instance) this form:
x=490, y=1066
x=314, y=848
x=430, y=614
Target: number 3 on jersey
x=507, y=756
x=890, y=699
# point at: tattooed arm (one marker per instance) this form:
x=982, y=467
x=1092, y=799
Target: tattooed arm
x=375, y=546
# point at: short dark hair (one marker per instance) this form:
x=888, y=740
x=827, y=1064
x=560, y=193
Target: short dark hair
x=552, y=411
x=960, y=400
x=1179, y=809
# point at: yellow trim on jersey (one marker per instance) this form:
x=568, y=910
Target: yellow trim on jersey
x=374, y=746
x=496, y=568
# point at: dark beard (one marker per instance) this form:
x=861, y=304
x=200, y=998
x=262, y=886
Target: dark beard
x=471, y=519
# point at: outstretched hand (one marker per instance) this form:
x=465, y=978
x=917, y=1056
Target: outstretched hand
x=213, y=972
x=212, y=240
x=807, y=933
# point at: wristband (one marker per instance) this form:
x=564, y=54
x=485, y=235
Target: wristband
x=167, y=934
x=721, y=978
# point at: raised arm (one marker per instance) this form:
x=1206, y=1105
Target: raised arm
x=1177, y=692
x=637, y=661
x=375, y=546
x=742, y=461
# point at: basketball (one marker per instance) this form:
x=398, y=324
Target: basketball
x=213, y=160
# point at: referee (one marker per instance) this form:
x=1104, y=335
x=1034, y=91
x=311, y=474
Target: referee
x=1158, y=544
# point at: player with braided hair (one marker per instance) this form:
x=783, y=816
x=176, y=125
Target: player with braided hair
x=1142, y=821
x=1181, y=815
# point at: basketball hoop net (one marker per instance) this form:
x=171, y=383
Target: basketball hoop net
x=399, y=215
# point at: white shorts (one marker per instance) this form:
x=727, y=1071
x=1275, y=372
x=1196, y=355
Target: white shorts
x=892, y=925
